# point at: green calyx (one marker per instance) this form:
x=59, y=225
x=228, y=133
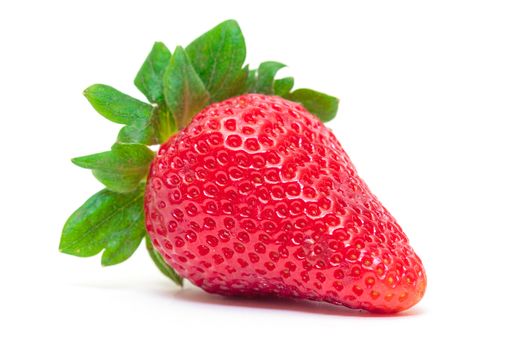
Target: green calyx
x=177, y=86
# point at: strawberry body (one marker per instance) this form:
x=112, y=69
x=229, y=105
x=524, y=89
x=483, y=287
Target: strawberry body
x=257, y=197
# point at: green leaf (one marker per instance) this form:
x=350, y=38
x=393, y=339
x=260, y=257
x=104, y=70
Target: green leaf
x=184, y=91
x=122, y=168
x=218, y=56
x=116, y=106
x=139, y=117
x=149, y=78
x=108, y=220
x=322, y=105
x=266, y=75
x=161, y=264
x=281, y=87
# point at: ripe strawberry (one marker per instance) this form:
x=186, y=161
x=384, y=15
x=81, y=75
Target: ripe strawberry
x=256, y=197
x=248, y=195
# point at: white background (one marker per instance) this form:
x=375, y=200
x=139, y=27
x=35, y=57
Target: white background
x=432, y=109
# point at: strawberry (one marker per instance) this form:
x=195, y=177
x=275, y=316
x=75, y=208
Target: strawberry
x=249, y=194
x=257, y=197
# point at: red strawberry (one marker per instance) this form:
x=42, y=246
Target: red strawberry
x=251, y=196
x=257, y=197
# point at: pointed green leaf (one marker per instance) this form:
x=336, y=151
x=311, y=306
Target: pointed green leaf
x=161, y=264
x=122, y=168
x=184, y=91
x=322, y=105
x=149, y=78
x=266, y=75
x=116, y=106
x=283, y=86
x=218, y=56
x=108, y=220
x=139, y=117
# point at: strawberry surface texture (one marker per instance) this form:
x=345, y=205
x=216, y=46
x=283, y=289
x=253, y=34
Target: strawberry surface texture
x=255, y=196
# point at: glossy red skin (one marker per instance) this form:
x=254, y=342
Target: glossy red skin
x=257, y=197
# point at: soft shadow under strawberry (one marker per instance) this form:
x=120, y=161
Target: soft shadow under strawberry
x=193, y=295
